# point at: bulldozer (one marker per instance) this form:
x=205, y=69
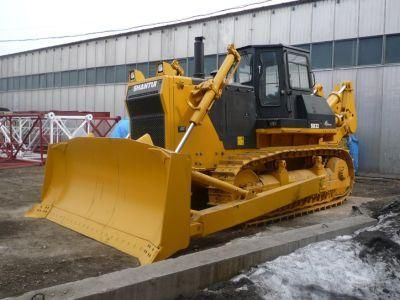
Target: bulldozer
x=251, y=142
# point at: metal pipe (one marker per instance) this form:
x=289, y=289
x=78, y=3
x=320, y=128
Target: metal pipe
x=185, y=137
x=198, y=57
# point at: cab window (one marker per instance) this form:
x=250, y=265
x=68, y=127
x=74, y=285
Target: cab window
x=244, y=73
x=269, y=79
x=298, y=71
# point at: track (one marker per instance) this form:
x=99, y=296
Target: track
x=264, y=161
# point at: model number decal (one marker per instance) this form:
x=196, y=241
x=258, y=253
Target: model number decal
x=314, y=125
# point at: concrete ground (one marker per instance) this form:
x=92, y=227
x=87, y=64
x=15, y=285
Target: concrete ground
x=37, y=253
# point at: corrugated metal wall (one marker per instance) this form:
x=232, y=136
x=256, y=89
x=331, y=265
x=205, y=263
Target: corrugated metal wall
x=378, y=87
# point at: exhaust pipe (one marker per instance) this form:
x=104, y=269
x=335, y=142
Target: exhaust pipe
x=198, y=57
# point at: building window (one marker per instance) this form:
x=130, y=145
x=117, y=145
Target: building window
x=4, y=84
x=190, y=66
x=144, y=68
x=50, y=80
x=304, y=46
x=120, y=74
x=16, y=83
x=110, y=74
x=35, y=82
x=321, y=55
x=81, y=77
x=100, y=75
x=370, y=51
x=73, y=78
x=10, y=84
x=22, y=82
x=153, y=68
x=42, y=81
x=392, y=53
x=57, y=79
x=345, y=53
x=65, y=78
x=91, y=76
x=221, y=58
x=29, y=82
x=210, y=64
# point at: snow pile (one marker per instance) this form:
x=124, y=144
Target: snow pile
x=363, y=266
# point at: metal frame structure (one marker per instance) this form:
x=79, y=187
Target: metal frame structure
x=27, y=136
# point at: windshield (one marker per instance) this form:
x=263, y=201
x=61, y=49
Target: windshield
x=244, y=72
x=298, y=71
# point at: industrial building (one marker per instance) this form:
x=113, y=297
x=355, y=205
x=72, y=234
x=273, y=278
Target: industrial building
x=356, y=40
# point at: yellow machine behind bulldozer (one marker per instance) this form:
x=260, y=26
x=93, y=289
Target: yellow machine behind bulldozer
x=253, y=142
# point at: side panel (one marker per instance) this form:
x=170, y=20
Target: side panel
x=300, y=24
x=346, y=19
x=261, y=28
x=280, y=26
x=371, y=17
x=322, y=20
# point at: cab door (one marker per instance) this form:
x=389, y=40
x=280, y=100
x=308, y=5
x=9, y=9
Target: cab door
x=269, y=84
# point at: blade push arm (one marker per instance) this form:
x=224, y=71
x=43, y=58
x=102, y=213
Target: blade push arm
x=205, y=93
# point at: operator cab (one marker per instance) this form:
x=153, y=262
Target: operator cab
x=283, y=83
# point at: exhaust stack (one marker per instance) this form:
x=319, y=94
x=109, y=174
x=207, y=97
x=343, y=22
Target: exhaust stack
x=198, y=57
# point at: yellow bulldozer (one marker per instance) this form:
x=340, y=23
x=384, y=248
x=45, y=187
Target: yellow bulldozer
x=254, y=141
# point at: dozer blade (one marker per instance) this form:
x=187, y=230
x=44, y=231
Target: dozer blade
x=127, y=194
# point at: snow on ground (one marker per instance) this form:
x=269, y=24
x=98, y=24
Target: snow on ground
x=365, y=265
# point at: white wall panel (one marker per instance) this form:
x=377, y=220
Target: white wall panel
x=56, y=99
x=64, y=99
x=392, y=19
x=27, y=104
x=143, y=47
x=10, y=67
x=49, y=100
x=346, y=19
x=211, y=35
x=81, y=55
x=167, y=43
x=343, y=75
x=90, y=96
x=91, y=55
x=280, y=25
x=42, y=100
x=100, y=53
x=193, y=31
x=42, y=61
x=35, y=100
x=390, y=134
x=72, y=100
x=119, y=100
x=181, y=42
x=322, y=20
x=261, y=28
x=369, y=108
x=3, y=68
x=15, y=65
x=371, y=17
x=35, y=62
x=22, y=62
x=65, y=58
x=131, y=49
x=155, y=45
x=99, y=98
x=109, y=100
x=226, y=34
x=300, y=24
x=120, y=50
x=57, y=60
x=49, y=60
x=324, y=78
x=110, y=51
x=242, y=30
x=81, y=99
x=73, y=57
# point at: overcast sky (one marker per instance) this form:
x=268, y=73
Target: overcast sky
x=38, y=18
